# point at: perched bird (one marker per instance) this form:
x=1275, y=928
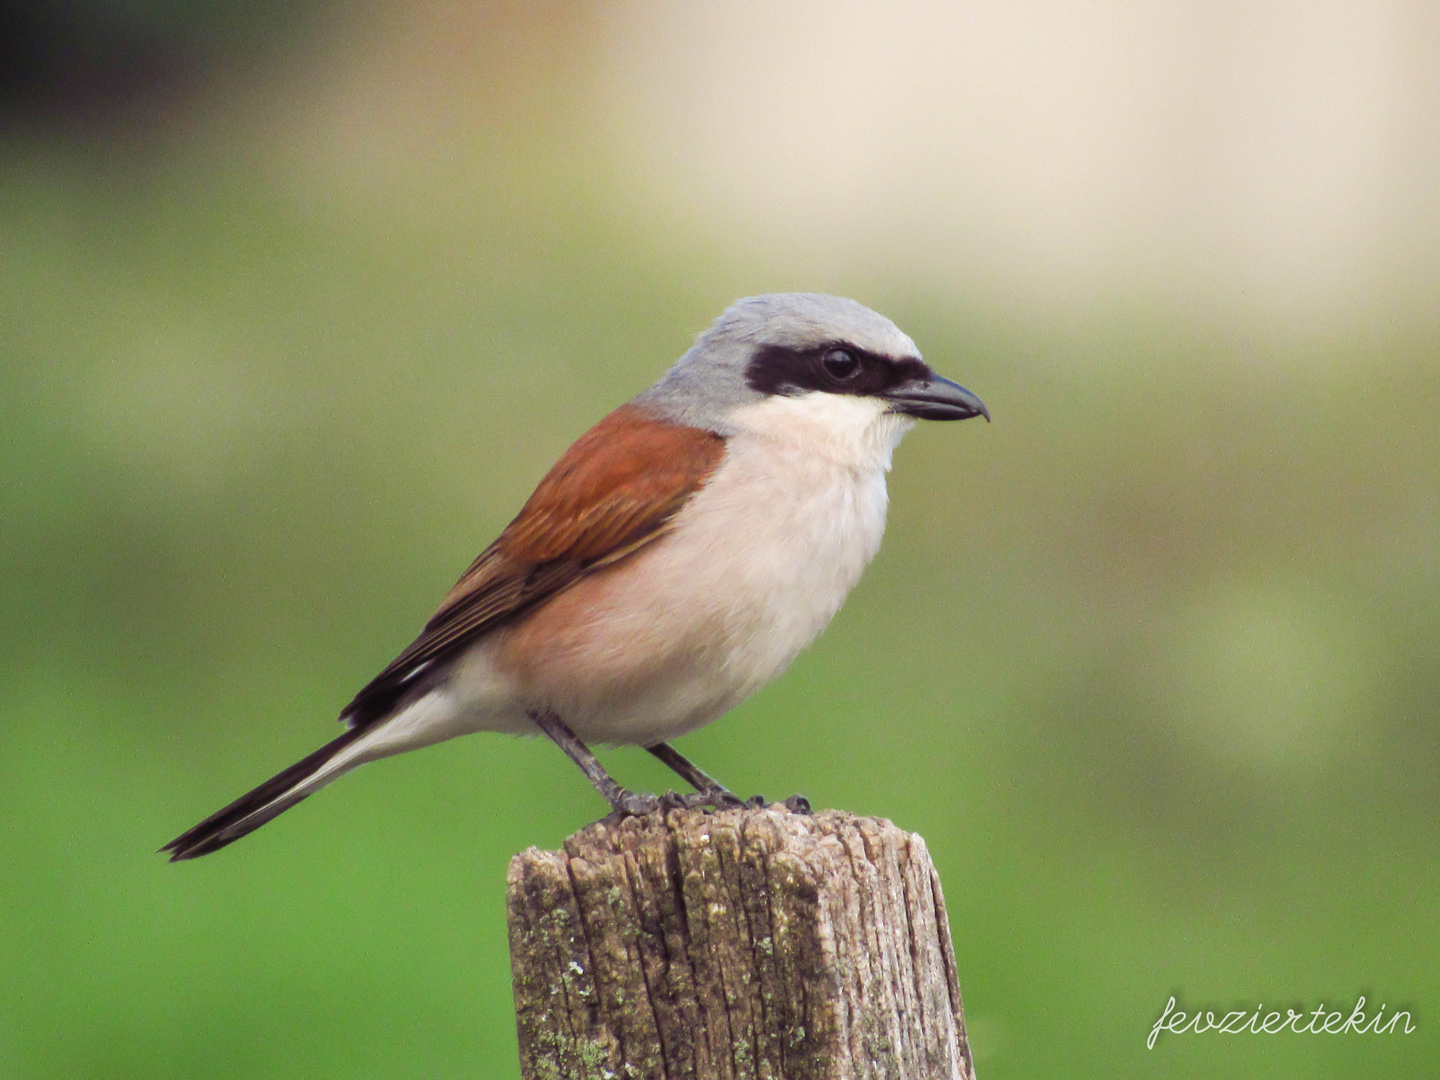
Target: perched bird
x=676, y=559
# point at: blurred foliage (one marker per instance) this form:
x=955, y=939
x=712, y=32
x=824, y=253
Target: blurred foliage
x=1150, y=661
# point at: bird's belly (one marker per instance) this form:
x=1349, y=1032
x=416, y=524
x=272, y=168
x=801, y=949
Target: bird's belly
x=755, y=567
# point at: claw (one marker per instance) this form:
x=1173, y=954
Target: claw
x=718, y=798
x=631, y=804
x=755, y=802
x=798, y=804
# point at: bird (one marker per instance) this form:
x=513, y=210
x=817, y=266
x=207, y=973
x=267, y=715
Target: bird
x=674, y=560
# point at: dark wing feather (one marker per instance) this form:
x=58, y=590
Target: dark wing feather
x=613, y=492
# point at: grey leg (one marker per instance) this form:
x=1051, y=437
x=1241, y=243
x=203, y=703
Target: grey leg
x=709, y=792
x=693, y=775
x=620, y=800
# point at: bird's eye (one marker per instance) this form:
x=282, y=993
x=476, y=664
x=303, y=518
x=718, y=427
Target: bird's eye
x=840, y=363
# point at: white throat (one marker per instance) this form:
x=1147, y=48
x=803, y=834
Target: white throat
x=858, y=432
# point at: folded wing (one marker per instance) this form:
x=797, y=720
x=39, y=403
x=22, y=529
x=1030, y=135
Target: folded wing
x=614, y=491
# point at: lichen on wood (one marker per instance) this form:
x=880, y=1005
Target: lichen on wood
x=735, y=945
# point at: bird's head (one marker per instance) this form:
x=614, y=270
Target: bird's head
x=806, y=359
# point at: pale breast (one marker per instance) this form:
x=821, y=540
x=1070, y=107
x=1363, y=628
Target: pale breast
x=757, y=564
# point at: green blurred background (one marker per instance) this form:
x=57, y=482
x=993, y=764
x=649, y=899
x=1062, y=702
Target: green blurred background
x=297, y=307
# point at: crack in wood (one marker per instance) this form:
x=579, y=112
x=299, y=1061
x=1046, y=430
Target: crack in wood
x=735, y=945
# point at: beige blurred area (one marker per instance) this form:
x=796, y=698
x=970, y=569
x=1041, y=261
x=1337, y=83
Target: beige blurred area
x=1272, y=163
x=1265, y=161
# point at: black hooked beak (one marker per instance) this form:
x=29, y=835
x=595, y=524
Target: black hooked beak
x=932, y=397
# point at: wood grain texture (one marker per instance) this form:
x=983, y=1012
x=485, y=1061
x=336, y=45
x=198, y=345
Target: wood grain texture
x=735, y=945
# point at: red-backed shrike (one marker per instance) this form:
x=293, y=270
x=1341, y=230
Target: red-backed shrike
x=676, y=559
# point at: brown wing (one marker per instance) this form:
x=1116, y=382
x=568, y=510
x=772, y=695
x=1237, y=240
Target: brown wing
x=613, y=492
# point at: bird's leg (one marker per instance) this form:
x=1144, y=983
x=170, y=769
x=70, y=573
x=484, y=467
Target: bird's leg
x=708, y=791
x=621, y=800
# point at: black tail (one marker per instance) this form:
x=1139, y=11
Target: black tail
x=250, y=811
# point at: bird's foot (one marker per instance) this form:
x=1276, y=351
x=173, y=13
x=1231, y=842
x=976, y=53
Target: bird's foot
x=715, y=797
x=625, y=803
x=721, y=799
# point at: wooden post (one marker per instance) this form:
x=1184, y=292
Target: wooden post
x=735, y=945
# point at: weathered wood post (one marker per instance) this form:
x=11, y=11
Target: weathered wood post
x=734, y=945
